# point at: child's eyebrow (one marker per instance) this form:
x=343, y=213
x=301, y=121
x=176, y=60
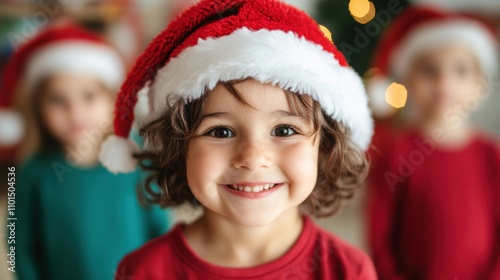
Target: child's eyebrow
x=216, y=115
x=283, y=113
x=278, y=113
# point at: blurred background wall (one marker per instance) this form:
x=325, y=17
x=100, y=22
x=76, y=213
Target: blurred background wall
x=132, y=24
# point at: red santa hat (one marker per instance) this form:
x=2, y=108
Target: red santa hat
x=215, y=41
x=420, y=29
x=59, y=48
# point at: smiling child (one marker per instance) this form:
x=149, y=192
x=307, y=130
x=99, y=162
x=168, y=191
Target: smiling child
x=256, y=117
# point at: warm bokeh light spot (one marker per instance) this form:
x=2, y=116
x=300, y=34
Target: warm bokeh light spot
x=359, y=8
x=396, y=95
x=368, y=17
x=326, y=32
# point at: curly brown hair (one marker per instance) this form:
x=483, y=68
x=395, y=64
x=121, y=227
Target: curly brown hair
x=342, y=166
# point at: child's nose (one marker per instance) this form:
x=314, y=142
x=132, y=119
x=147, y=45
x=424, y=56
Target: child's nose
x=252, y=155
x=75, y=111
x=444, y=81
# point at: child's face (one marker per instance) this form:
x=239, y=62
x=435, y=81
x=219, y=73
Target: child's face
x=76, y=108
x=236, y=144
x=441, y=79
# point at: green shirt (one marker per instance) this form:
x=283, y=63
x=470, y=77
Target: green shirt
x=78, y=223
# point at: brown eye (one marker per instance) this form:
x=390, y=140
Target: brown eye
x=89, y=96
x=56, y=99
x=283, y=131
x=221, y=132
x=461, y=70
x=429, y=70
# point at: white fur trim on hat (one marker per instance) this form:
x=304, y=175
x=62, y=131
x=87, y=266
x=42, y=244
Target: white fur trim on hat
x=437, y=34
x=143, y=107
x=116, y=154
x=11, y=127
x=76, y=56
x=276, y=57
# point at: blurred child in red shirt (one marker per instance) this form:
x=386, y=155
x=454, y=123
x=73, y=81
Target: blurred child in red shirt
x=434, y=202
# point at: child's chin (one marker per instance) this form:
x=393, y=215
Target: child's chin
x=254, y=219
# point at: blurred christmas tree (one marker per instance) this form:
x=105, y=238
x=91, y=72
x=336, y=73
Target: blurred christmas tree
x=356, y=36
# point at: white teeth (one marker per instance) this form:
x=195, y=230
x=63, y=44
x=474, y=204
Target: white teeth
x=253, y=189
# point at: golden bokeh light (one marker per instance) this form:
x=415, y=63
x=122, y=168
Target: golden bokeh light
x=359, y=8
x=326, y=32
x=368, y=17
x=396, y=95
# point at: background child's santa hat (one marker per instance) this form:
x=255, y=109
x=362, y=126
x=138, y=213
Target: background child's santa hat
x=61, y=48
x=422, y=28
x=225, y=40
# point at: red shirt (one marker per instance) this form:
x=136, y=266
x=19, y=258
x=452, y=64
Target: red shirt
x=434, y=213
x=316, y=254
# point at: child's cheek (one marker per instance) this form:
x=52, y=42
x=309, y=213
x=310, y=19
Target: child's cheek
x=55, y=120
x=100, y=114
x=299, y=163
x=204, y=169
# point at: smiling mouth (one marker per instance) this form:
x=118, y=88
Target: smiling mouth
x=255, y=188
